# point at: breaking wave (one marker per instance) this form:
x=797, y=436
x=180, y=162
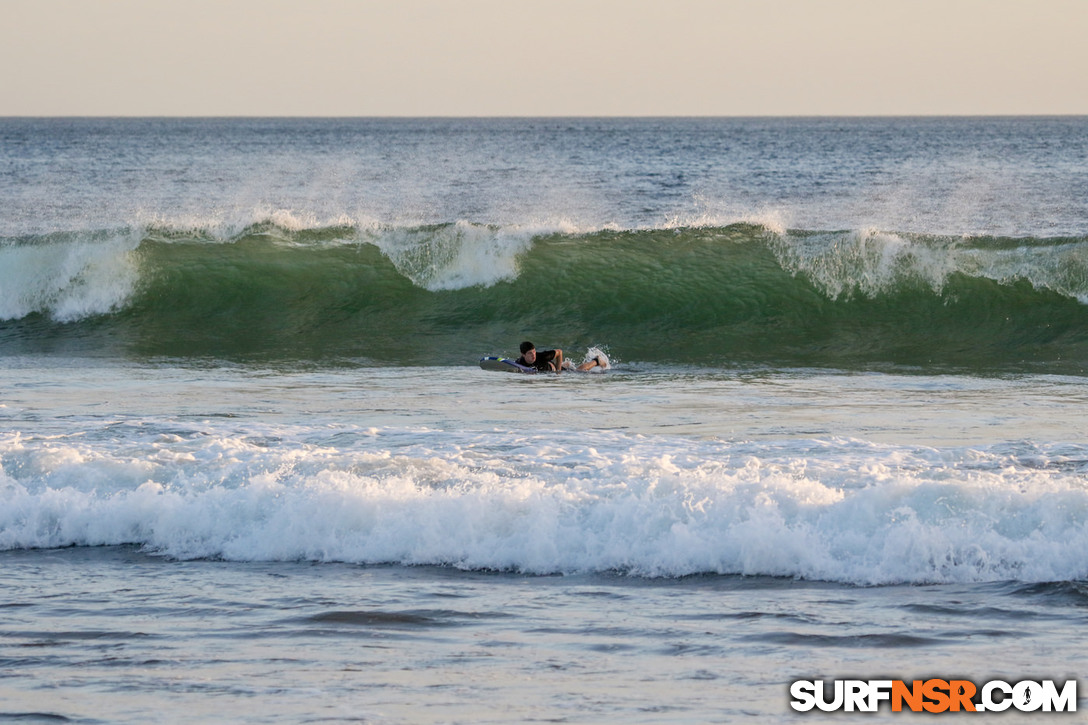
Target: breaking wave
x=837, y=510
x=706, y=295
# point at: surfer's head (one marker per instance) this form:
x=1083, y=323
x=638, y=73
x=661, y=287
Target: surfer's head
x=527, y=346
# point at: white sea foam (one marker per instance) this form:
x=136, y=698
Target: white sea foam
x=839, y=510
x=867, y=261
x=459, y=255
x=871, y=262
x=69, y=276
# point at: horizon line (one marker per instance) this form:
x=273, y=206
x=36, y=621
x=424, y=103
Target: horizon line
x=647, y=116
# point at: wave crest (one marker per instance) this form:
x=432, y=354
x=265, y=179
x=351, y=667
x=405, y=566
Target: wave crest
x=68, y=277
x=738, y=294
x=871, y=262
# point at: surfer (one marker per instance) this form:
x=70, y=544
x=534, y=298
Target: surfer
x=551, y=360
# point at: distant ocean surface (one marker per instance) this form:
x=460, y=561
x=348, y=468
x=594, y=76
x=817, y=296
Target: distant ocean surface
x=251, y=472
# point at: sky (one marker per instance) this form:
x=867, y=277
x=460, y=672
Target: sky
x=542, y=57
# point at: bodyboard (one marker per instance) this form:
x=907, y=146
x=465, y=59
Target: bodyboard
x=503, y=364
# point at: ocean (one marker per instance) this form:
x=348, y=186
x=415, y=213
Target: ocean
x=251, y=472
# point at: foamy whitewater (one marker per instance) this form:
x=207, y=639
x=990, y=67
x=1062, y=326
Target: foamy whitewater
x=251, y=472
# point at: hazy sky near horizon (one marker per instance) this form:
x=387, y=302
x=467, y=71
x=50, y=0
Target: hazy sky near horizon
x=542, y=58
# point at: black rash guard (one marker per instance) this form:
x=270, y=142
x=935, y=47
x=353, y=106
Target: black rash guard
x=543, y=357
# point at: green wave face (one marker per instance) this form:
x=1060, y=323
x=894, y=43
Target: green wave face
x=447, y=294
